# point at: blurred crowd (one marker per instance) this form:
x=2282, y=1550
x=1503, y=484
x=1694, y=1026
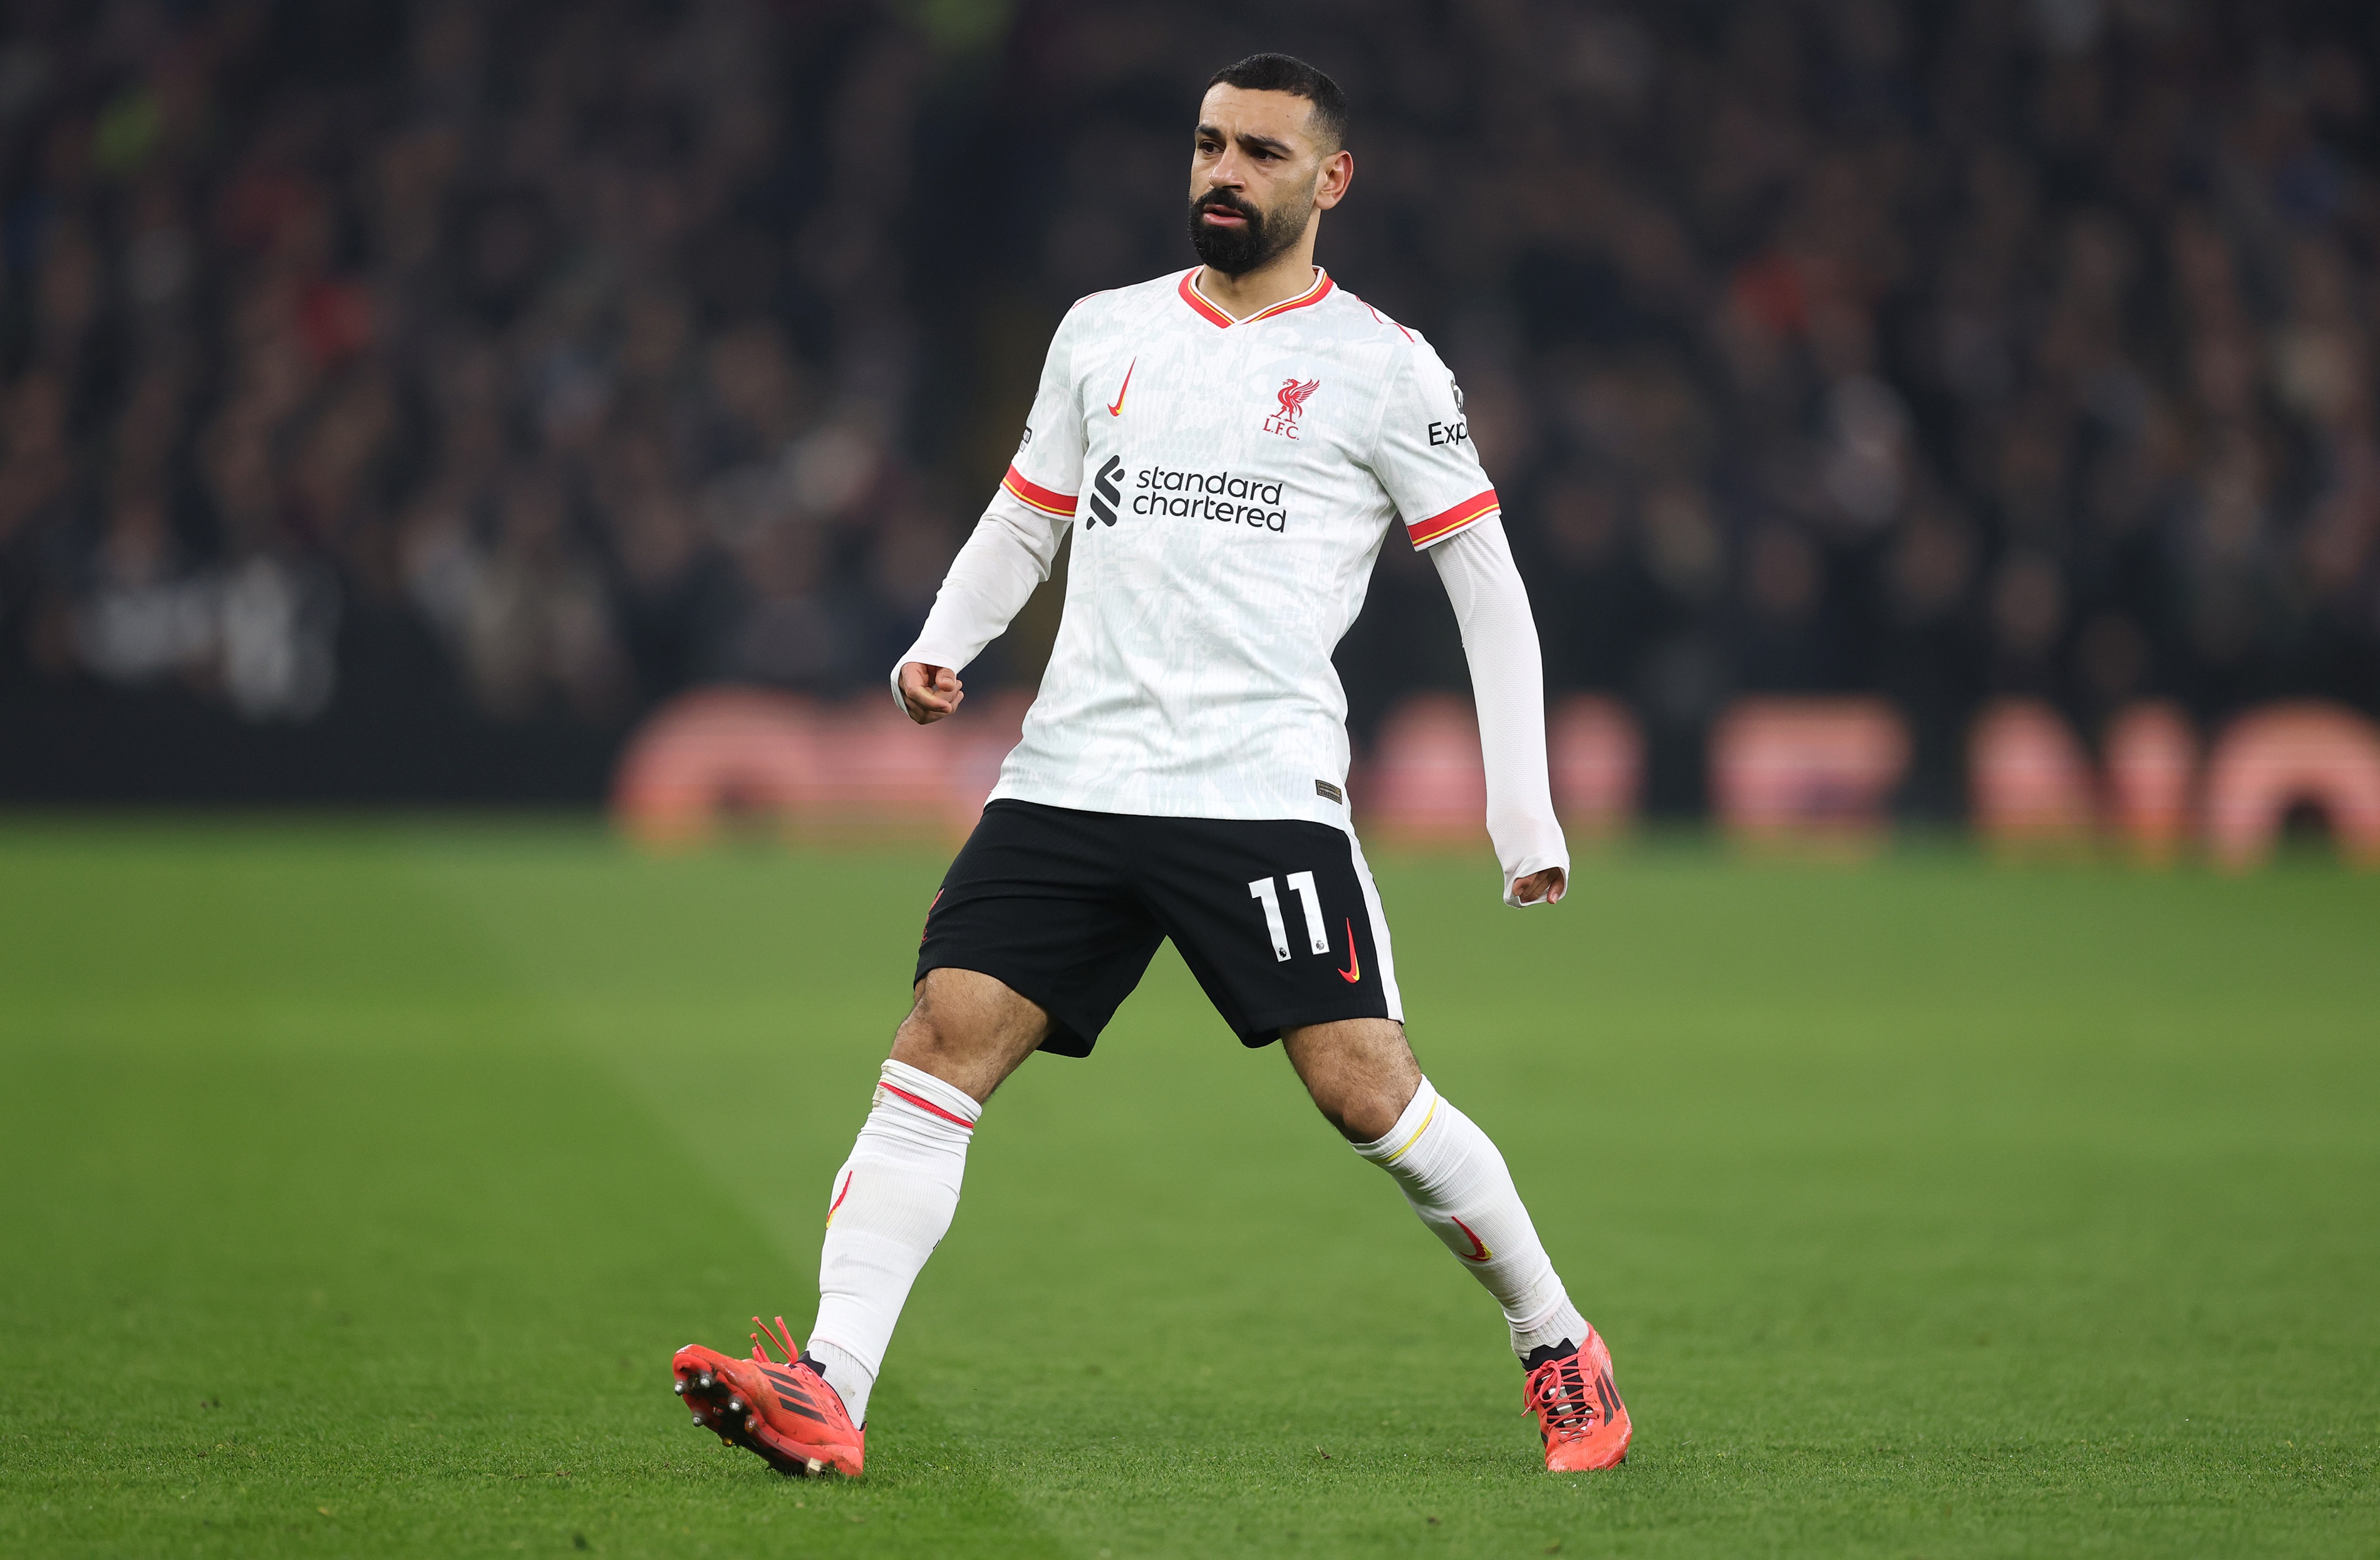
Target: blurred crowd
x=563, y=356
x=571, y=341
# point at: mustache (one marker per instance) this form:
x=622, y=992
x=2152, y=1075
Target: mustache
x=1234, y=249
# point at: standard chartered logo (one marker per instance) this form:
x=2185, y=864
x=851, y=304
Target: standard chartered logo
x=1225, y=497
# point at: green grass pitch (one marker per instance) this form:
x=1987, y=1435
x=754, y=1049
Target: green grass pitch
x=357, y=1181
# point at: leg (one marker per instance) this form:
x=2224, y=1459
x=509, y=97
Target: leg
x=1360, y=1072
x=894, y=1197
x=1032, y=941
x=970, y=1030
x=1365, y=1080
x=1034, y=903
x=1282, y=926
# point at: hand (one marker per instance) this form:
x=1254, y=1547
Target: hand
x=1549, y=885
x=930, y=693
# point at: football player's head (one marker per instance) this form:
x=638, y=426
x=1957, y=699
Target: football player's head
x=1269, y=158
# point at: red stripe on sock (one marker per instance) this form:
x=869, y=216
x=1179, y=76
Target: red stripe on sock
x=928, y=1106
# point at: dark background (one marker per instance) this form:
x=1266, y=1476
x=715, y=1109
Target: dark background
x=400, y=399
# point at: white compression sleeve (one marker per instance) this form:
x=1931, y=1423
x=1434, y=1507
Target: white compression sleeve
x=1458, y=1183
x=1508, y=685
x=892, y=1204
x=1009, y=552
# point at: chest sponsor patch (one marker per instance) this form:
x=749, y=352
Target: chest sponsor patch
x=1230, y=498
x=1104, y=494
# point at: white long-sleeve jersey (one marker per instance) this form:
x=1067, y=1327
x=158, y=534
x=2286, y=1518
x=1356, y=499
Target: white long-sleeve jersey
x=1228, y=485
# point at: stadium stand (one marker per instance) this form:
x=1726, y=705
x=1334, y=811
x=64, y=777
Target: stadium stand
x=403, y=400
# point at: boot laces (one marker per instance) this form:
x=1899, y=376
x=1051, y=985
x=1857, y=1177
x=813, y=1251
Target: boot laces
x=782, y=1337
x=1558, y=1396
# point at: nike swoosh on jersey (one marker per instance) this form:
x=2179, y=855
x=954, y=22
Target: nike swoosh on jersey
x=1115, y=408
x=1355, y=970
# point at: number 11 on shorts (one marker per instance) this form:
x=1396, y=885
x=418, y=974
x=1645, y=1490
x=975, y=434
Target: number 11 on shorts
x=1309, y=898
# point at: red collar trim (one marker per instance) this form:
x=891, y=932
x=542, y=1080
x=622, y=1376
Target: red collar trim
x=1222, y=321
x=1199, y=303
x=1314, y=295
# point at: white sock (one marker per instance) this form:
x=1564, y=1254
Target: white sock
x=1457, y=1182
x=891, y=1204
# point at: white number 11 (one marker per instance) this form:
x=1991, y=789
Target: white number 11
x=1309, y=899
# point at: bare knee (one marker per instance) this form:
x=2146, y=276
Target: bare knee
x=1360, y=1072
x=941, y=1044
x=969, y=1030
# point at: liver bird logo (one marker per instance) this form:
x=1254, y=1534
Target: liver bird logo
x=1293, y=396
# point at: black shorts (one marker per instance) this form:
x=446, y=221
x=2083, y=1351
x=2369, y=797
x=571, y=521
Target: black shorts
x=1278, y=919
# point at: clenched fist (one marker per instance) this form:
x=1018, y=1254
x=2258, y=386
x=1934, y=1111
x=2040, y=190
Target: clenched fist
x=930, y=693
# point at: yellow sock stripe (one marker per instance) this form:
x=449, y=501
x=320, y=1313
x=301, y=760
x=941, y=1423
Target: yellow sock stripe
x=1427, y=1117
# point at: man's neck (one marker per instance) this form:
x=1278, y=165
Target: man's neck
x=1252, y=291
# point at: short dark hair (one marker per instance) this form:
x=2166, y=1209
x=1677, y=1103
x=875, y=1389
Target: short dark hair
x=1287, y=73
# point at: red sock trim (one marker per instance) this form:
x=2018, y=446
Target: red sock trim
x=928, y=1106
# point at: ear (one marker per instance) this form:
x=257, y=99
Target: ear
x=1338, y=173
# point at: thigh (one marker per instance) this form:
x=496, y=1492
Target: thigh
x=1278, y=919
x=1039, y=900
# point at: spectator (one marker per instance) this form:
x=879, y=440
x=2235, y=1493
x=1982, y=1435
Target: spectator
x=1854, y=345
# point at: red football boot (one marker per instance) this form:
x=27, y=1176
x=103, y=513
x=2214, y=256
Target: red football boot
x=1579, y=1413
x=785, y=1413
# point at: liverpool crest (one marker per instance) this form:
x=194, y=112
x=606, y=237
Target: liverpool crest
x=1292, y=395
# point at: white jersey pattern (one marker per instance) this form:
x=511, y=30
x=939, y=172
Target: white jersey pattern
x=1228, y=486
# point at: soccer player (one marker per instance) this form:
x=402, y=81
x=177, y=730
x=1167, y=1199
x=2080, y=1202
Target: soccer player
x=1228, y=447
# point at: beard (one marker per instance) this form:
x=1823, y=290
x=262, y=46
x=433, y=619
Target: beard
x=1235, y=251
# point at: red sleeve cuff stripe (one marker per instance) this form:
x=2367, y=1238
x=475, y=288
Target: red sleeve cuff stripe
x=1039, y=497
x=928, y=1106
x=1447, y=522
